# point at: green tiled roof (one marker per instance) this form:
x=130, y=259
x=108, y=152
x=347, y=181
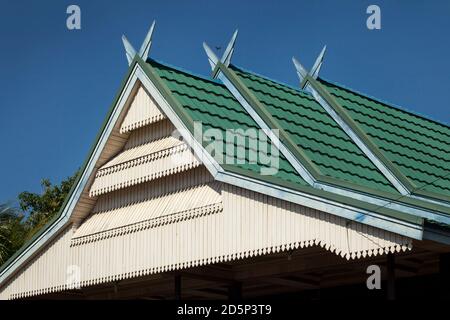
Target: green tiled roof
x=316, y=140
x=419, y=147
x=314, y=131
x=210, y=102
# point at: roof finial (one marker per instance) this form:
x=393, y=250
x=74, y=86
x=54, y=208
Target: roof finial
x=228, y=53
x=318, y=64
x=129, y=50
x=212, y=58
x=145, y=47
x=314, y=72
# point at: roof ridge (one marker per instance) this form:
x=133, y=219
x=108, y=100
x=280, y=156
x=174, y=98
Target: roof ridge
x=386, y=103
x=185, y=71
x=271, y=79
x=368, y=96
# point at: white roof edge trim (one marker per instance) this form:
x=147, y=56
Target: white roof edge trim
x=318, y=203
x=440, y=203
x=147, y=43
x=386, y=203
x=318, y=63
x=388, y=174
x=357, y=140
x=298, y=166
x=228, y=53
x=63, y=220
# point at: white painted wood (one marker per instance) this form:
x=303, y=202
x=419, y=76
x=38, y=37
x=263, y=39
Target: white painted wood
x=130, y=52
x=143, y=111
x=147, y=43
x=249, y=224
x=151, y=152
x=149, y=133
x=131, y=216
x=147, y=162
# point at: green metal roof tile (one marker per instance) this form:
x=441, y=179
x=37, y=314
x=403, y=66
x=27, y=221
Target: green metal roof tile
x=417, y=164
x=314, y=131
x=317, y=141
x=372, y=120
x=426, y=181
x=259, y=81
x=305, y=120
x=418, y=147
x=212, y=104
x=403, y=117
x=407, y=149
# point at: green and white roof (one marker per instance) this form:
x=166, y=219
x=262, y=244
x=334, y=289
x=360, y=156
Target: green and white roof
x=341, y=152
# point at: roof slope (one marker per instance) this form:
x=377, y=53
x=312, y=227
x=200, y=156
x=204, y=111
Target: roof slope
x=212, y=104
x=313, y=130
x=419, y=147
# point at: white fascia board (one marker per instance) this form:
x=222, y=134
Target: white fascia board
x=64, y=218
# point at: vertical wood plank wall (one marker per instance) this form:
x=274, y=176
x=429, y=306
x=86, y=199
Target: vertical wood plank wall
x=250, y=224
x=143, y=111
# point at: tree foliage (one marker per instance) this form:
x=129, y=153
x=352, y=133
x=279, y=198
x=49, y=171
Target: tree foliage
x=41, y=208
x=12, y=231
x=18, y=225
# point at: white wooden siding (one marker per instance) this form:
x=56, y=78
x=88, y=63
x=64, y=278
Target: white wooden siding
x=270, y=225
x=183, y=204
x=150, y=133
x=144, y=168
x=143, y=111
x=250, y=224
x=151, y=152
x=46, y=272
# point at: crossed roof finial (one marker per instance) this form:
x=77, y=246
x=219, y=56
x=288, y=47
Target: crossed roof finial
x=314, y=72
x=145, y=47
x=226, y=57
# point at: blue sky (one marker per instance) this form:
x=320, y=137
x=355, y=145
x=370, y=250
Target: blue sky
x=56, y=85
